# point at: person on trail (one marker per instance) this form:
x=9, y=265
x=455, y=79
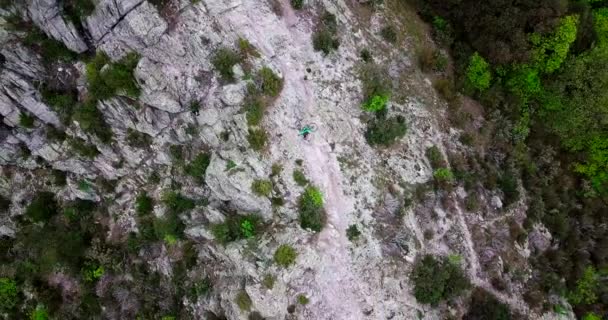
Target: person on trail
x=305, y=132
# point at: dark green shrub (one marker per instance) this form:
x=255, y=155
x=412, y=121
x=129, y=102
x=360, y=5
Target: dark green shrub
x=144, y=204
x=385, y=132
x=224, y=60
x=198, y=167
x=83, y=148
x=325, y=41
x=375, y=81
x=472, y=202
x=91, y=121
x=353, y=233
x=243, y=301
x=257, y=138
x=177, y=153
x=5, y=203
x=297, y=4
x=276, y=170
x=236, y=227
x=54, y=134
x=270, y=84
x=435, y=157
x=138, y=139
x=49, y=49
x=300, y=178
x=299, y=162
x=446, y=89
x=170, y=227
x=444, y=177
x=269, y=281
x=26, y=120
x=255, y=107
x=42, y=207
x=117, y=78
x=176, y=203
x=485, y=306
x=262, y=188
x=247, y=49
x=61, y=102
x=303, y=300
x=40, y=313
x=365, y=55
x=509, y=186
x=76, y=10
x=285, y=255
x=312, y=214
x=201, y=288
x=389, y=34
x=436, y=280
x=426, y=58
x=8, y=294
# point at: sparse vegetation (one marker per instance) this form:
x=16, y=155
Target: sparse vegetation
x=138, y=139
x=297, y=4
x=77, y=10
x=243, y=301
x=262, y=188
x=257, y=138
x=144, y=204
x=353, y=233
x=437, y=279
x=285, y=255
x=83, y=148
x=389, y=34
x=435, y=157
x=116, y=79
x=325, y=38
x=43, y=207
x=236, y=227
x=269, y=281
x=300, y=178
x=198, y=167
x=312, y=214
x=385, y=132
x=270, y=84
x=303, y=299
x=224, y=60
x=91, y=121
x=26, y=120
x=365, y=55
x=485, y=306
x=176, y=203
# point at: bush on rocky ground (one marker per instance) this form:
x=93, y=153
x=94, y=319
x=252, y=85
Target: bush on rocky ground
x=312, y=214
x=237, y=227
x=437, y=279
x=285, y=255
x=224, y=60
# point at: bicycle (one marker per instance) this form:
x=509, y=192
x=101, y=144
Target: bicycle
x=307, y=130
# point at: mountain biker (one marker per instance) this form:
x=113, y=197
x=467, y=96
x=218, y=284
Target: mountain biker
x=305, y=132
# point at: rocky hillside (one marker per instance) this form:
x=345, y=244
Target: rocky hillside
x=152, y=167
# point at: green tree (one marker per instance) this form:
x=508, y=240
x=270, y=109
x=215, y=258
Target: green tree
x=478, y=73
x=8, y=294
x=436, y=280
x=312, y=214
x=586, y=288
x=549, y=52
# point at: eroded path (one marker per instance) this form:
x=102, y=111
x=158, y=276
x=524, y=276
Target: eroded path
x=335, y=291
